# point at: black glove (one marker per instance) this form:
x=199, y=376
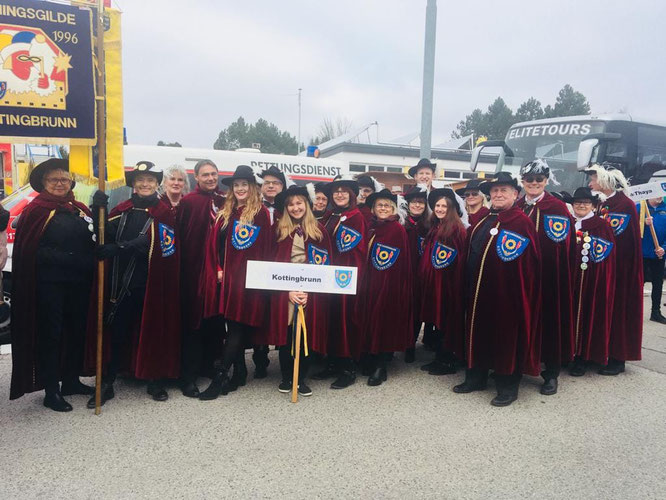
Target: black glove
x=4, y=218
x=100, y=199
x=107, y=251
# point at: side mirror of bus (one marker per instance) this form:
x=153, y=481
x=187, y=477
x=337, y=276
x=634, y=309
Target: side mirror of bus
x=476, y=152
x=585, y=151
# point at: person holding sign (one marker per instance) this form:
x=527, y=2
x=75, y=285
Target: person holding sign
x=620, y=212
x=143, y=313
x=386, y=290
x=53, y=265
x=653, y=255
x=504, y=295
x=442, y=275
x=594, y=282
x=347, y=230
x=242, y=232
x=300, y=239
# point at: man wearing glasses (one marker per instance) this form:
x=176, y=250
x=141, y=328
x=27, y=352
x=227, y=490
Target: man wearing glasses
x=274, y=182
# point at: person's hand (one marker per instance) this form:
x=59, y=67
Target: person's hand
x=648, y=221
x=100, y=199
x=220, y=275
x=298, y=298
x=107, y=251
x=660, y=252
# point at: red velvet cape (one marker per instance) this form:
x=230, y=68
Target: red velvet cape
x=475, y=218
x=385, y=298
x=443, y=292
x=366, y=211
x=323, y=219
x=416, y=234
x=316, y=310
x=557, y=326
x=230, y=298
x=154, y=351
x=345, y=338
x=30, y=227
x=502, y=330
x=627, y=326
x=195, y=218
x=594, y=290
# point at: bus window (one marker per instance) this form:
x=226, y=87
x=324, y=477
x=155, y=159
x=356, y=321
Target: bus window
x=651, y=151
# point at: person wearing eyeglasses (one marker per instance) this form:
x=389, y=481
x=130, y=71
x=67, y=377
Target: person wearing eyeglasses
x=53, y=266
x=475, y=201
x=553, y=224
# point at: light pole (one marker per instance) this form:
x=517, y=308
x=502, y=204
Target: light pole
x=428, y=77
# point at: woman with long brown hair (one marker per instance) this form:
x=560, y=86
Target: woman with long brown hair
x=441, y=272
x=242, y=232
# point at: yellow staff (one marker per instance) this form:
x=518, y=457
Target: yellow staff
x=299, y=318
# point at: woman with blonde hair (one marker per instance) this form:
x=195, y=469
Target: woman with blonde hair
x=299, y=239
x=174, y=185
x=241, y=233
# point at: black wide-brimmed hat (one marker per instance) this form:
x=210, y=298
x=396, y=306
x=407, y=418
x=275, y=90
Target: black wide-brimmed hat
x=346, y=181
x=294, y=190
x=142, y=167
x=472, y=185
x=242, y=173
x=423, y=163
x=418, y=191
x=501, y=179
x=38, y=173
x=275, y=172
x=323, y=187
x=582, y=193
x=535, y=167
x=436, y=194
x=383, y=194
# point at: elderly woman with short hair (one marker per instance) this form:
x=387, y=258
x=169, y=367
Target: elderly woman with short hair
x=175, y=184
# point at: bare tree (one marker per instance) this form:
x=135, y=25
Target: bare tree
x=330, y=129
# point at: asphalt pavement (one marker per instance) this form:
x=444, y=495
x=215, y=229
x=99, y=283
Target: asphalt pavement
x=412, y=437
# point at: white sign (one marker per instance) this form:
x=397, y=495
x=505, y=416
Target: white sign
x=647, y=191
x=288, y=277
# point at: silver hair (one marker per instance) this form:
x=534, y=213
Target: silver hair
x=169, y=171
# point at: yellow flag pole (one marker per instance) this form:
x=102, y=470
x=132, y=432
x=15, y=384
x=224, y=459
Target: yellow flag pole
x=101, y=174
x=297, y=356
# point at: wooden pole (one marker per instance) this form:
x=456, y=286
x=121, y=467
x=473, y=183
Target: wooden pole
x=101, y=162
x=297, y=356
x=655, y=241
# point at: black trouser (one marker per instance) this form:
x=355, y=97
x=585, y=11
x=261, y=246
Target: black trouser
x=128, y=315
x=379, y=360
x=552, y=371
x=201, y=348
x=260, y=356
x=653, y=269
x=61, y=307
x=508, y=384
x=287, y=360
x=234, y=347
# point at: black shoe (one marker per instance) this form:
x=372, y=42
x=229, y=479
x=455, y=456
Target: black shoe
x=410, y=355
x=577, y=368
x=504, y=399
x=429, y=366
x=442, y=369
x=76, y=387
x=157, y=391
x=304, y=389
x=613, y=367
x=190, y=390
x=219, y=385
x=285, y=386
x=658, y=317
x=328, y=372
x=377, y=377
x=260, y=372
x=549, y=387
x=345, y=379
x=56, y=402
x=107, y=393
x=468, y=386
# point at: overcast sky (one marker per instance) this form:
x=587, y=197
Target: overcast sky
x=193, y=67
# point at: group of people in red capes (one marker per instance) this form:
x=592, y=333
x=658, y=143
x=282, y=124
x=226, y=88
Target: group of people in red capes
x=502, y=288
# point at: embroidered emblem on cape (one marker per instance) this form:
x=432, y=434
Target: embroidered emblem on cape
x=556, y=227
x=618, y=222
x=347, y=238
x=243, y=237
x=167, y=240
x=343, y=278
x=383, y=256
x=510, y=245
x=600, y=249
x=317, y=255
x=420, y=244
x=442, y=256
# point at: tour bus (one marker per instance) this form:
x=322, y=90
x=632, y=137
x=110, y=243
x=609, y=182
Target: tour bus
x=570, y=144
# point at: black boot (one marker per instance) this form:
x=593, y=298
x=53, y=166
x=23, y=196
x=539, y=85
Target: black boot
x=549, y=387
x=220, y=384
x=74, y=386
x=614, y=367
x=475, y=380
x=344, y=380
x=261, y=361
x=507, y=389
x=329, y=371
x=410, y=355
x=56, y=402
x=658, y=317
x=157, y=391
x=239, y=377
x=444, y=364
x=378, y=376
x=577, y=368
x=107, y=393
x=189, y=389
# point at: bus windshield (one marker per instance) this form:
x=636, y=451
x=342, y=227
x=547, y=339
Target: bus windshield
x=557, y=143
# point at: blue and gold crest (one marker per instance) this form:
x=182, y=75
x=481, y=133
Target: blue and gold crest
x=317, y=256
x=343, y=278
x=510, y=245
x=420, y=244
x=383, y=256
x=244, y=236
x=618, y=222
x=347, y=238
x=600, y=249
x=442, y=256
x=556, y=227
x=167, y=239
